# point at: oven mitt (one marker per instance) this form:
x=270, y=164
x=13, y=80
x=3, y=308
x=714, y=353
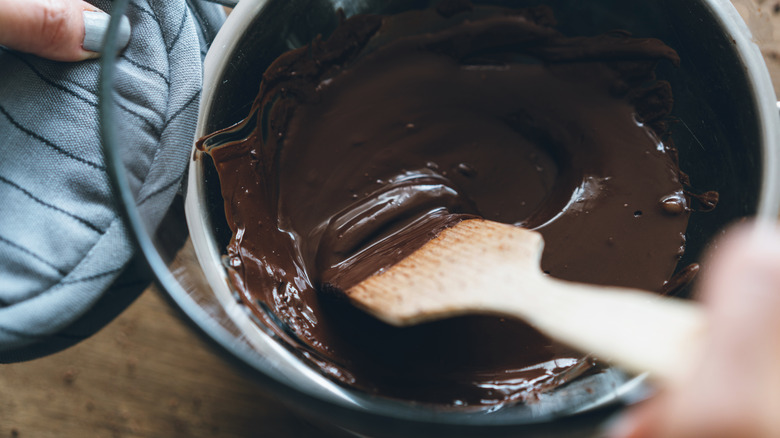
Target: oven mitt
x=67, y=263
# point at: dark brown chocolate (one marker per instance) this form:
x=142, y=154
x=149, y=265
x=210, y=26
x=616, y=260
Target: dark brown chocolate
x=361, y=147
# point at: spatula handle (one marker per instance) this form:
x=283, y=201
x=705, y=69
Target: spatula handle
x=637, y=330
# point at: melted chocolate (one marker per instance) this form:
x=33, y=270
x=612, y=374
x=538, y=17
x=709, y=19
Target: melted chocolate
x=361, y=147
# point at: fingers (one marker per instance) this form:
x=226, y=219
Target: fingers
x=61, y=30
x=734, y=391
x=742, y=274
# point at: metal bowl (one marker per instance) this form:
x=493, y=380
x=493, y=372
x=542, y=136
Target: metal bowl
x=728, y=138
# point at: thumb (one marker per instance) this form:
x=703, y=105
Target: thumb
x=61, y=30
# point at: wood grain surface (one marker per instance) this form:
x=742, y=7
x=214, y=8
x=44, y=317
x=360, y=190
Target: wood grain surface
x=148, y=374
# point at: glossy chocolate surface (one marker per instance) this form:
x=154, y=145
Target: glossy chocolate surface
x=361, y=147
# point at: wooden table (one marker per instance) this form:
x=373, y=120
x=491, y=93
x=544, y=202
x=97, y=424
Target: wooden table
x=148, y=374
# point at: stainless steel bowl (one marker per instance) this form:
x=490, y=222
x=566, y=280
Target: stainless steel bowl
x=728, y=137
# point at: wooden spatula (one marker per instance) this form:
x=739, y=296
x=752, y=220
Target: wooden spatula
x=480, y=266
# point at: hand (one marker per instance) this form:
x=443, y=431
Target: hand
x=734, y=388
x=61, y=30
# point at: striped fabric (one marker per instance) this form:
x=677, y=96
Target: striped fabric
x=66, y=259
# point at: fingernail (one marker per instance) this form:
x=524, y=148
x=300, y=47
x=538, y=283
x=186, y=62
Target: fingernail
x=95, y=27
